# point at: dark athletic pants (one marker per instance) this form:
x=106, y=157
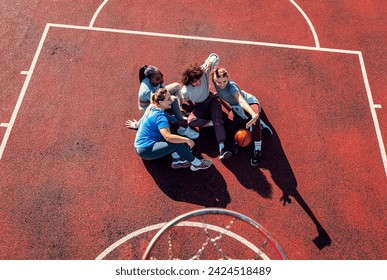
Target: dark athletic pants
x=208, y=110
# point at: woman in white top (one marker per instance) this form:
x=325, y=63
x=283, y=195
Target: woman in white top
x=207, y=107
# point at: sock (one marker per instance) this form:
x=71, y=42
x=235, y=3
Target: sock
x=221, y=146
x=175, y=155
x=257, y=145
x=196, y=161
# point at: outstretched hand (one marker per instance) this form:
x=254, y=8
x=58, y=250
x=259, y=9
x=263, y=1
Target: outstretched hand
x=131, y=124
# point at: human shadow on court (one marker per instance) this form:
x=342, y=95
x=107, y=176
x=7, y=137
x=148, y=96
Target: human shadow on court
x=274, y=164
x=204, y=187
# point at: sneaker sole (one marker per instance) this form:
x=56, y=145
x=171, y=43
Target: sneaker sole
x=193, y=168
x=180, y=166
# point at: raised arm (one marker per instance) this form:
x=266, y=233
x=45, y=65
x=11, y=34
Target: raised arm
x=211, y=61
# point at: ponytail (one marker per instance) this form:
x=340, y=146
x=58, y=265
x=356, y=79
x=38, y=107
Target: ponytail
x=147, y=72
x=159, y=95
x=141, y=72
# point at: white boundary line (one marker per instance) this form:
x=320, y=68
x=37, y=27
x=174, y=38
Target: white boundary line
x=237, y=237
x=97, y=13
x=316, y=41
x=4, y=124
x=198, y=38
x=128, y=237
x=23, y=91
x=373, y=113
x=309, y=23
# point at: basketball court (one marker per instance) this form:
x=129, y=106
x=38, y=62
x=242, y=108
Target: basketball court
x=72, y=186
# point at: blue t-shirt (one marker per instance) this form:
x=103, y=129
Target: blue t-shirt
x=227, y=93
x=149, y=128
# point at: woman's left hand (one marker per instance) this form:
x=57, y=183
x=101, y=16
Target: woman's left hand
x=254, y=118
x=131, y=124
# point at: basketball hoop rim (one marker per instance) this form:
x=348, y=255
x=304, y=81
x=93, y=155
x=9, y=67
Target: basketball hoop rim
x=278, y=248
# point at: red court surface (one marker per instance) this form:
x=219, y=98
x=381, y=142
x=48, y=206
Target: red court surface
x=72, y=186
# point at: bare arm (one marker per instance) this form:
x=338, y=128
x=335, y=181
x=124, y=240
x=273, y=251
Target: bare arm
x=243, y=103
x=176, y=139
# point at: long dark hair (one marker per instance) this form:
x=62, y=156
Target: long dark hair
x=147, y=72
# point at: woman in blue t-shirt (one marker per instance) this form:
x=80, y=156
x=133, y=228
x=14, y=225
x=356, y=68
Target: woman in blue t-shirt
x=244, y=105
x=155, y=140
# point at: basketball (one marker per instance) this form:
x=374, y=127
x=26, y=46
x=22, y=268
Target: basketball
x=243, y=137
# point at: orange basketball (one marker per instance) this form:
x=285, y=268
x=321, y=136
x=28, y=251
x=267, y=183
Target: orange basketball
x=243, y=137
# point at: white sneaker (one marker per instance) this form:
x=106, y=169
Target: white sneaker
x=189, y=132
x=180, y=163
x=204, y=164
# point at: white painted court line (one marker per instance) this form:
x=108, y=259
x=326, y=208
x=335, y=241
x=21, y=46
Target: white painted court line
x=24, y=72
x=22, y=92
x=198, y=38
x=4, y=124
x=183, y=224
x=378, y=106
x=128, y=237
x=316, y=41
x=373, y=113
x=97, y=12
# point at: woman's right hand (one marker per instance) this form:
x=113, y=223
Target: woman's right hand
x=190, y=143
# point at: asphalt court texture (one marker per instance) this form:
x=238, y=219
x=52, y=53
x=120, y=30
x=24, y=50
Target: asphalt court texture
x=72, y=184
